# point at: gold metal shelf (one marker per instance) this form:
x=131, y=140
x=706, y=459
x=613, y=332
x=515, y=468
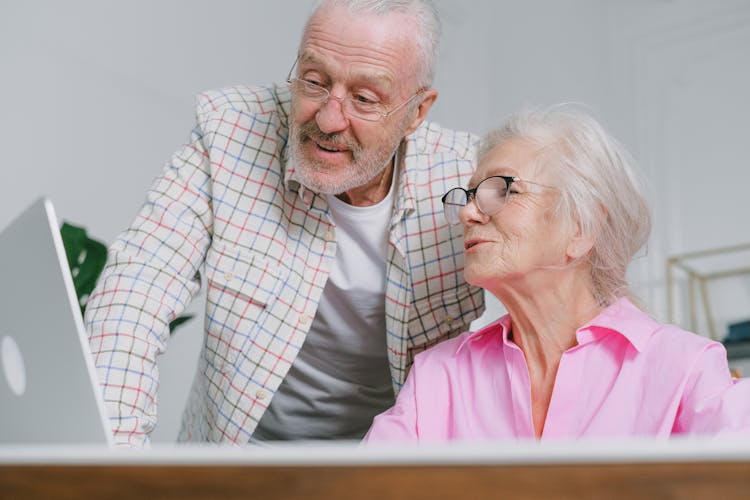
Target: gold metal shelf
x=697, y=282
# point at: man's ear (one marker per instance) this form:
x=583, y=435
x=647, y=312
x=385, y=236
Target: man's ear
x=428, y=99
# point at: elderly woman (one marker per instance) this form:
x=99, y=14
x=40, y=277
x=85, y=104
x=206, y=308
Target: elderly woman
x=551, y=219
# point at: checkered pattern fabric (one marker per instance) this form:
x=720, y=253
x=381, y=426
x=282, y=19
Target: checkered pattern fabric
x=227, y=208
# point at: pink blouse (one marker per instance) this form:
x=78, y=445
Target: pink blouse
x=628, y=376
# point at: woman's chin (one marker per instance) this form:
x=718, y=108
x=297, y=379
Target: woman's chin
x=480, y=279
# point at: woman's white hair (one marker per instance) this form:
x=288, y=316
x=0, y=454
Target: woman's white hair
x=427, y=26
x=601, y=190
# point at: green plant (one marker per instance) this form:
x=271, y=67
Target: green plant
x=86, y=259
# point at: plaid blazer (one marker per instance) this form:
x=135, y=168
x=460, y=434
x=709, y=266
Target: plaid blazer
x=228, y=209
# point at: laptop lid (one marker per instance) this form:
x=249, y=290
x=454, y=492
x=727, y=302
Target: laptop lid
x=49, y=392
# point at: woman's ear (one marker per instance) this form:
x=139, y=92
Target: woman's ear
x=579, y=245
x=581, y=242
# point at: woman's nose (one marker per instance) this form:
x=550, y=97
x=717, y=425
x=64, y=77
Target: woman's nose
x=470, y=213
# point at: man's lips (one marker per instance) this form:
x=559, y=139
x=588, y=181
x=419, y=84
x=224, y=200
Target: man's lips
x=329, y=146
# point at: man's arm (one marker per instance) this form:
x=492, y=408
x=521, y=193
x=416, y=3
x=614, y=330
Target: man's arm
x=150, y=277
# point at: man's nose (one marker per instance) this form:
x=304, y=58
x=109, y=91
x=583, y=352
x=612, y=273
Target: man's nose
x=330, y=117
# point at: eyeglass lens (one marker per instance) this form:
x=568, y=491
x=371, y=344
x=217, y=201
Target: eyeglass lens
x=490, y=196
x=364, y=110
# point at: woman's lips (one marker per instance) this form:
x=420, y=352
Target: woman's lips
x=473, y=242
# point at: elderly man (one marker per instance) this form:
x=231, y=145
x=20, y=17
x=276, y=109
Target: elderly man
x=312, y=209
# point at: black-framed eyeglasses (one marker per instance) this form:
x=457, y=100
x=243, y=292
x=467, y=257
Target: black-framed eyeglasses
x=355, y=106
x=490, y=195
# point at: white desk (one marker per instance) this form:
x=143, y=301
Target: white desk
x=633, y=469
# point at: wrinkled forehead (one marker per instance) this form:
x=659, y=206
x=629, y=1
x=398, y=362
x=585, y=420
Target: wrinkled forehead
x=516, y=157
x=389, y=39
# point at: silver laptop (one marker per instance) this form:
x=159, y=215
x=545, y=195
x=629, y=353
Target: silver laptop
x=49, y=393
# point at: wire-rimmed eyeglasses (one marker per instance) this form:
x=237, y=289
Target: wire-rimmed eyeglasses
x=490, y=195
x=353, y=105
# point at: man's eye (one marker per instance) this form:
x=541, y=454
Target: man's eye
x=314, y=81
x=364, y=99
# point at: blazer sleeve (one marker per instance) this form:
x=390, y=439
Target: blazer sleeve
x=152, y=273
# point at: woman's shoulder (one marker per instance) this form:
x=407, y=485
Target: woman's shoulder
x=648, y=333
x=669, y=337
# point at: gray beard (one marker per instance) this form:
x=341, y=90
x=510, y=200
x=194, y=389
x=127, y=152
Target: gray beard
x=364, y=167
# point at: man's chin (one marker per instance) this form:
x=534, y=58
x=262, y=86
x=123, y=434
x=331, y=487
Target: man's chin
x=322, y=183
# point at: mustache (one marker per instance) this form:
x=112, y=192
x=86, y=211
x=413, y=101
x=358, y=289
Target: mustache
x=310, y=130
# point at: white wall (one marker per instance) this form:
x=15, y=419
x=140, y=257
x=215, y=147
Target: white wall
x=96, y=94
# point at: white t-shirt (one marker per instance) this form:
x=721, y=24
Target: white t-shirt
x=340, y=379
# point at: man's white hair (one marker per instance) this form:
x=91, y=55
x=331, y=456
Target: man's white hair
x=426, y=23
